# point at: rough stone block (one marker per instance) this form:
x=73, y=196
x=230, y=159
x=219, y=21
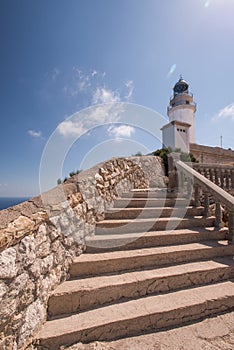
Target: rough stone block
x=8, y=266
x=27, y=250
x=32, y=319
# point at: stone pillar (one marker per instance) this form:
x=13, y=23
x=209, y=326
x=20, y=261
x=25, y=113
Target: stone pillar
x=197, y=202
x=173, y=175
x=231, y=227
x=218, y=215
x=206, y=205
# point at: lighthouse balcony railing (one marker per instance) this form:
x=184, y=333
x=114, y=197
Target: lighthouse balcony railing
x=180, y=103
x=181, y=94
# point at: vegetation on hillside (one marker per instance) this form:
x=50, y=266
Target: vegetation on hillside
x=163, y=153
x=72, y=173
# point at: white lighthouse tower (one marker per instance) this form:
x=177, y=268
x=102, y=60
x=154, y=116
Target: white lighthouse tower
x=180, y=131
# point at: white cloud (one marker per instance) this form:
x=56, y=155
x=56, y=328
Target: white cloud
x=130, y=87
x=121, y=131
x=70, y=128
x=83, y=85
x=35, y=134
x=226, y=112
x=104, y=95
x=91, y=89
x=94, y=72
x=87, y=119
x=82, y=82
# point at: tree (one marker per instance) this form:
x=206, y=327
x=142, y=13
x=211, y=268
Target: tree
x=138, y=154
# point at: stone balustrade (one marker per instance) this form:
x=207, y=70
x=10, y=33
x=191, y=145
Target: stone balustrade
x=197, y=183
x=40, y=238
x=221, y=175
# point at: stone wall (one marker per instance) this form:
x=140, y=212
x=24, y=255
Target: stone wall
x=40, y=238
x=212, y=155
x=153, y=168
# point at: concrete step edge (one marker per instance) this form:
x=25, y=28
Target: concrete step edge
x=152, y=194
x=110, y=227
x=152, y=239
x=78, y=295
x=136, y=316
x=141, y=203
x=142, y=220
x=111, y=262
x=131, y=213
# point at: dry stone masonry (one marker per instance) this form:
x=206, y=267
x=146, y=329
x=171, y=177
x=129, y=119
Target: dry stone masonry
x=40, y=238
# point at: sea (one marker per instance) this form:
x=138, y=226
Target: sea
x=6, y=202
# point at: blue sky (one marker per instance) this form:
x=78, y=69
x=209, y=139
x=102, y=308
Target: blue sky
x=58, y=57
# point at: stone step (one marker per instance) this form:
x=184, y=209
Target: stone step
x=151, y=194
x=133, y=317
x=138, y=240
x=151, y=202
x=82, y=294
x=132, y=213
x=109, y=227
x=116, y=261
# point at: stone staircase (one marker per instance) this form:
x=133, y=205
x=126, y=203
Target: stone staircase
x=155, y=262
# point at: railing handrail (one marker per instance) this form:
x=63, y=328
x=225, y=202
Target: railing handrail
x=218, y=193
x=213, y=166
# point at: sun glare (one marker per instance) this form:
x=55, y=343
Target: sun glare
x=207, y=3
x=171, y=70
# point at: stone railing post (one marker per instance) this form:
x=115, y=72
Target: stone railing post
x=232, y=179
x=231, y=227
x=228, y=178
x=205, y=173
x=217, y=177
x=218, y=215
x=221, y=178
x=173, y=174
x=189, y=187
x=211, y=174
x=197, y=202
x=206, y=204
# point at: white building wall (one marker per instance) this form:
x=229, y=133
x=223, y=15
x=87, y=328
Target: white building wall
x=182, y=138
x=184, y=115
x=168, y=137
x=176, y=136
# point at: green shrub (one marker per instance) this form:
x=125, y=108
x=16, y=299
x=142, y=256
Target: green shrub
x=163, y=153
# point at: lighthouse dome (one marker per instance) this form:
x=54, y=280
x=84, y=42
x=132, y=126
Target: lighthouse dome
x=181, y=86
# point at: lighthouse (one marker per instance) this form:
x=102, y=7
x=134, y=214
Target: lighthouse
x=180, y=131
